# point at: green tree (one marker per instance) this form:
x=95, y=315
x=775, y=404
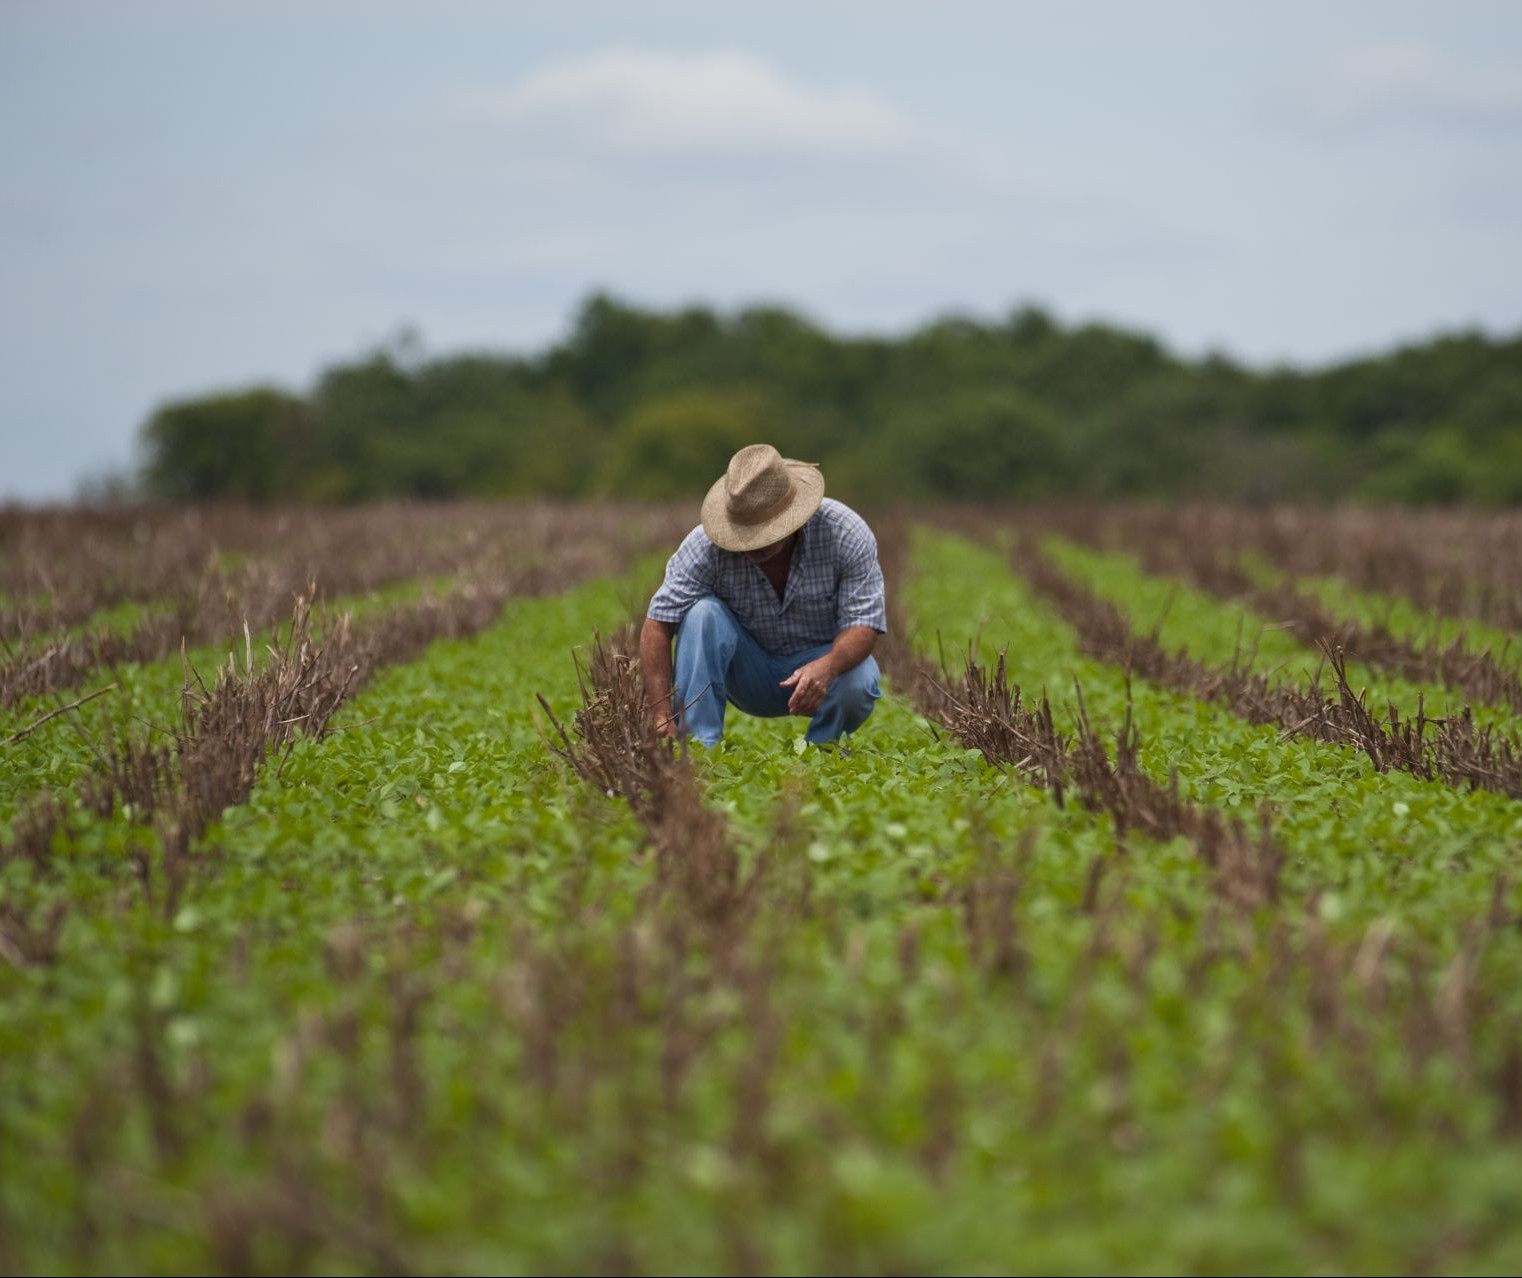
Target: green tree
x=1434, y=467
x=367, y=418
x=239, y=446
x=679, y=444
x=996, y=445
x=542, y=444
x=653, y=403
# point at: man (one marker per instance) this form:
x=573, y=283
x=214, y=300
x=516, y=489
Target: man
x=775, y=601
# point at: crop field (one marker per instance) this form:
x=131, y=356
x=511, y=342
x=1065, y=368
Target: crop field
x=1166, y=915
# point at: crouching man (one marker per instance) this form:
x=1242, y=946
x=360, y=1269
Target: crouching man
x=775, y=601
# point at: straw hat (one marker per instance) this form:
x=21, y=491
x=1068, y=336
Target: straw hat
x=761, y=499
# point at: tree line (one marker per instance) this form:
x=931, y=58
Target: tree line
x=650, y=404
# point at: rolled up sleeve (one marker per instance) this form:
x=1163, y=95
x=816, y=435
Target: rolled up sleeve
x=862, y=598
x=689, y=576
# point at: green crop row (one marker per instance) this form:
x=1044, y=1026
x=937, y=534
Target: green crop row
x=433, y=811
x=425, y=1002
x=146, y=699
x=1374, y=844
x=1218, y=631
x=429, y=803
x=1405, y=620
x=118, y=619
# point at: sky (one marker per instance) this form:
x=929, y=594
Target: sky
x=198, y=197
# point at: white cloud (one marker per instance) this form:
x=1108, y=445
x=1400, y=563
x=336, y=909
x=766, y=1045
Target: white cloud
x=720, y=173
x=1404, y=82
x=643, y=103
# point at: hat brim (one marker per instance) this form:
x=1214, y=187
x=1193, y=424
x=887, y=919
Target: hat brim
x=808, y=492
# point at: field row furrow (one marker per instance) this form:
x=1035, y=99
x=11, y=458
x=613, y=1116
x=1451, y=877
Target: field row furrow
x=157, y=643
x=983, y=710
x=45, y=749
x=203, y=601
x=1472, y=662
x=1464, y=565
x=321, y=913
x=1400, y=617
x=59, y=569
x=414, y=915
x=434, y=999
x=1341, y=820
x=162, y=794
x=1210, y=650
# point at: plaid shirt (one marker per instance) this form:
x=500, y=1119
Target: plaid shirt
x=834, y=582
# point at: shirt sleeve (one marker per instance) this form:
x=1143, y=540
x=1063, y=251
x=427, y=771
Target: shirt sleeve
x=689, y=576
x=862, y=599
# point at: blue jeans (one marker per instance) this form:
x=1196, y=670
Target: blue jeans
x=719, y=662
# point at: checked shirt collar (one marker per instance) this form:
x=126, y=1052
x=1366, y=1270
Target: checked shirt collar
x=794, y=570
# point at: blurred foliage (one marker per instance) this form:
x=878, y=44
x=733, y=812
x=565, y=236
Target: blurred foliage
x=651, y=404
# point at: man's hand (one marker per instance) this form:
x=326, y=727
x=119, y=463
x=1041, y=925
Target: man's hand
x=809, y=684
x=663, y=720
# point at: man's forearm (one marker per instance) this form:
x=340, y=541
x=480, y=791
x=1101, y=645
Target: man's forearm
x=655, y=665
x=852, y=646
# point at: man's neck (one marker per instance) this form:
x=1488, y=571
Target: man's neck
x=777, y=567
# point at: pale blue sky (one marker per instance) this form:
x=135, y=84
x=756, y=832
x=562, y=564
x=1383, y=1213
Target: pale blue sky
x=198, y=196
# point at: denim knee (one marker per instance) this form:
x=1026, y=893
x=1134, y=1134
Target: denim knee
x=705, y=615
x=858, y=689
